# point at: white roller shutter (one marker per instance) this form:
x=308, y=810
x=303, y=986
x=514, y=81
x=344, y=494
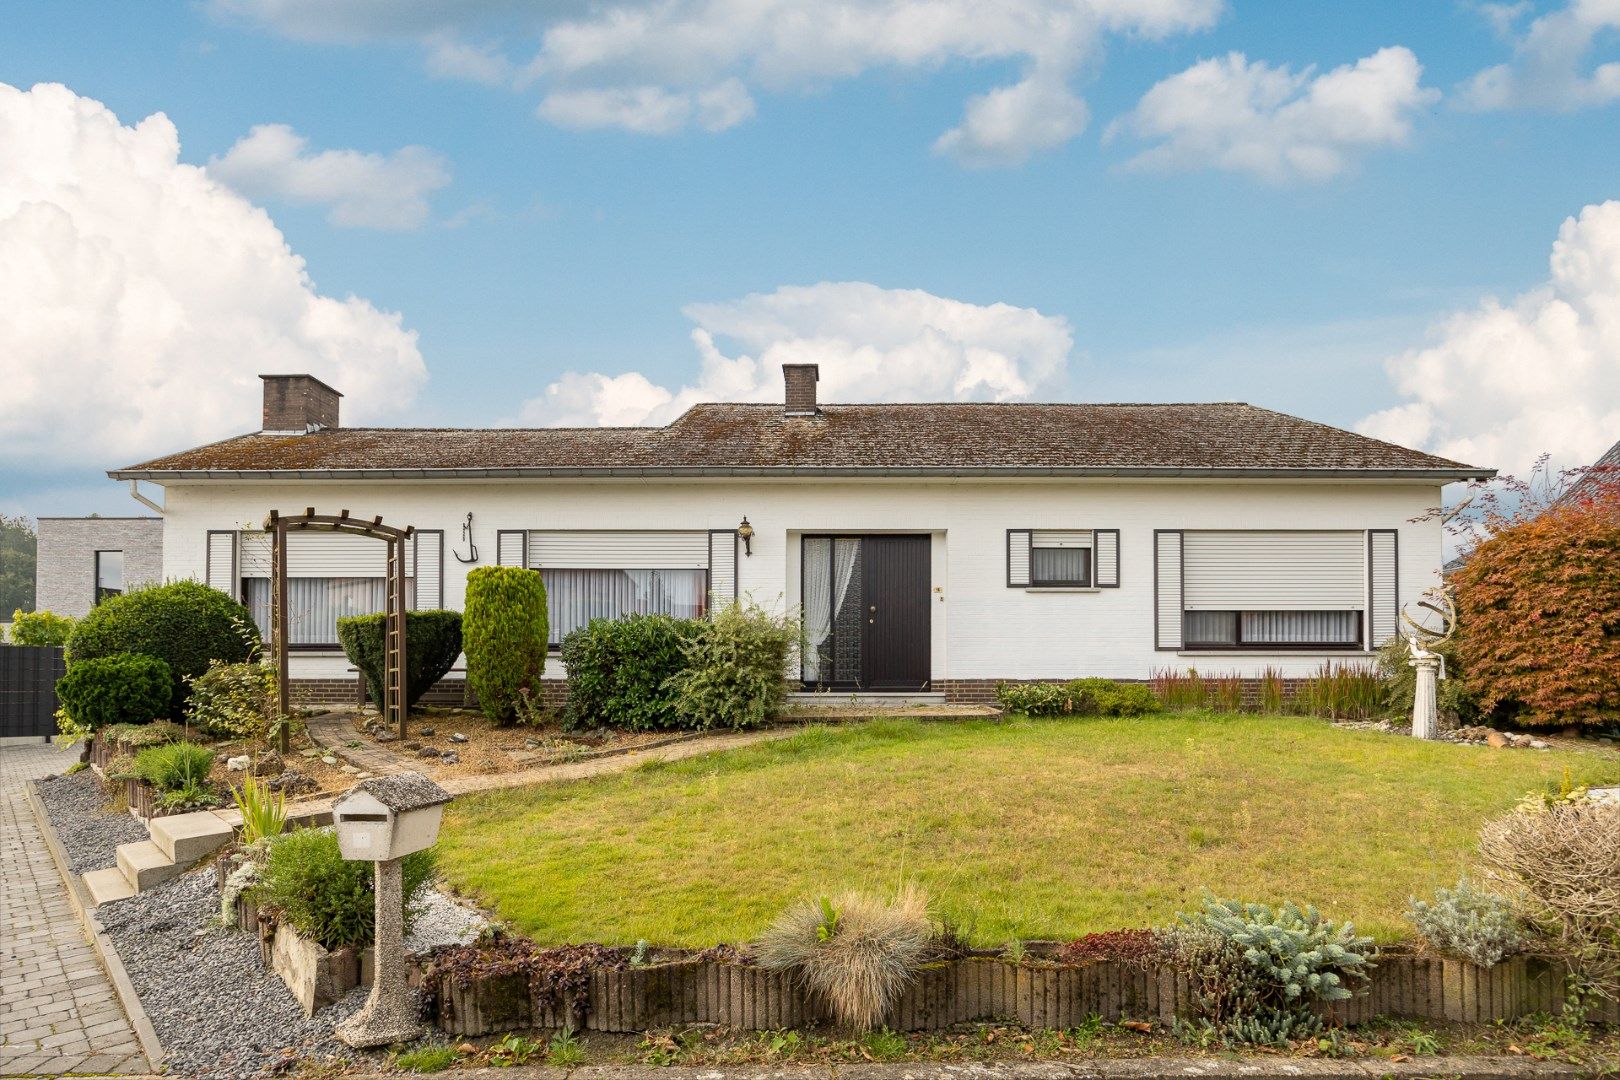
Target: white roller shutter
x=1106, y=559
x=1383, y=587
x=1059, y=538
x=319, y=554
x=222, y=561
x=1018, y=541
x=1167, y=560
x=619, y=550
x=1275, y=571
x=428, y=553
x=723, y=565
x=511, y=548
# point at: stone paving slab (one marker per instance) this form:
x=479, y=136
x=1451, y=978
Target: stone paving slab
x=59, y=1012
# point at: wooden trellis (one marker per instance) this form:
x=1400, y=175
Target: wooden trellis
x=393, y=698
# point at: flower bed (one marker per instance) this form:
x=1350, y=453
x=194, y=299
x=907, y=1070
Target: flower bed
x=1037, y=995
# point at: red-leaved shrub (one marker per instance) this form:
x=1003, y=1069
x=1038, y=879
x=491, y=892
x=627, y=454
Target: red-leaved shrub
x=1538, y=598
x=1125, y=946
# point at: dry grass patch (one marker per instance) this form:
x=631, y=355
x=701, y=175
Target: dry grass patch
x=1022, y=829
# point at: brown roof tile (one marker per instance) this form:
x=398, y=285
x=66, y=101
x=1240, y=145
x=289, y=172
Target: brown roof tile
x=1217, y=438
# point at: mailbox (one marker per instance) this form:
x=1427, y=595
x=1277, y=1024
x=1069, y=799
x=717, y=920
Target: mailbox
x=388, y=817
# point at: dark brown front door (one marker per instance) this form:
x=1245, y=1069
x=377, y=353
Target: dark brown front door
x=896, y=572
x=866, y=613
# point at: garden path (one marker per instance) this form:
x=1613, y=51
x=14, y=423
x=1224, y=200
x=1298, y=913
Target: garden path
x=58, y=1010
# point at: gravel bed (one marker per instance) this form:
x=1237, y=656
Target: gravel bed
x=439, y=920
x=217, y=1010
x=91, y=834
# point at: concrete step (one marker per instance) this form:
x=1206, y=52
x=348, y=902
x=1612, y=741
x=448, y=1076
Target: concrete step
x=185, y=838
x=108, y=885
x=144, y=866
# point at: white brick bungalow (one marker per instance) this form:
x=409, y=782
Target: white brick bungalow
x=933, y=548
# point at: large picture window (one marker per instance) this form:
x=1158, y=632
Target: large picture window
x=1270, y=629
x=575, y=597
x=314, y=605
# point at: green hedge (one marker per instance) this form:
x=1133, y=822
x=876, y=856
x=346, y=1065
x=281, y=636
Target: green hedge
x=185, y=624
x=620, y=671
x=432, y=643
x=107, y=690
x=1078, y=697
x=736, y=668
x=503, y=632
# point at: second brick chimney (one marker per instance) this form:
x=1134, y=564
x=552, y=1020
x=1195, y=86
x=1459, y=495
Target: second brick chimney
x=298, y=403
x=801, y=382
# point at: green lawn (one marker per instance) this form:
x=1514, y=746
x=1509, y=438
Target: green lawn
x=1028, y=828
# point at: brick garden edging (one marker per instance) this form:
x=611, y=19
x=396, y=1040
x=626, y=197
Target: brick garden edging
x=1037, y=996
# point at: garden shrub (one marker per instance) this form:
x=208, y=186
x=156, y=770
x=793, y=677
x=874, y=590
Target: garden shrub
x=185, y=624
x=856, y=951
x=40, y=628
x=735, y=671
x=620, y=671
x=136, y=736
x=234, y=701
x=178, y=771
x=1456, y=702
x=1559, y=862
x=1259, y=973
x=1468, y=923
x=1121, y=946
x=503, y=632
x=327, y=898
x=1538, y=632
x=128, y=689
x=1078, y=697
x=432, y=643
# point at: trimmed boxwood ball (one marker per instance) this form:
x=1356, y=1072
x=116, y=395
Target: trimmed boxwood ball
x=185, y=624
x=432, y=643
x=503, y=632
x=107, y=690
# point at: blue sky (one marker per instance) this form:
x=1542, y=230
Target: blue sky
x=555, y=241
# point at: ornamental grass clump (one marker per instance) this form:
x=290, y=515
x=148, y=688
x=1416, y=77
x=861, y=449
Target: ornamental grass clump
x=1259, y=974
x=855, y=951
x=1468, y=923
x=1559, y=862
x=178, y=772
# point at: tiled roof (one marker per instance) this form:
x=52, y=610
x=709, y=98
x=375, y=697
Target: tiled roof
x=1208, y=439
x=1602, y=476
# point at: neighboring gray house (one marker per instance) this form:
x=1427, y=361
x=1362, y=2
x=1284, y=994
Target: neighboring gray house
x=82, y=559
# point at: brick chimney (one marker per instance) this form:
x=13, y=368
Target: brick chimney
x=298, y=403
x=801, y=382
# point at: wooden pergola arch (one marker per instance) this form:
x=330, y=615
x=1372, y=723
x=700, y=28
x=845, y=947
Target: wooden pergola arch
x=393, y=701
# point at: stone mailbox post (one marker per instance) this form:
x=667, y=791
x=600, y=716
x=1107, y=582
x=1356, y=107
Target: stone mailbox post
x=381, y=821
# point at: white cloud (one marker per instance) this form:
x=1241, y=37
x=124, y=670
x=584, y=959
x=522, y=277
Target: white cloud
x=873, y=344
x=143, y=297
x=1504, y=382
x=1548, y=69
x=372, y=191
x=650, y=110
x=647, y=65
x=1280, y=125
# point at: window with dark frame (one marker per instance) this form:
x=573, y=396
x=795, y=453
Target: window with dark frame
x=109, y=574
x=1056, y=567
x=575, y=597
x=1271, y=629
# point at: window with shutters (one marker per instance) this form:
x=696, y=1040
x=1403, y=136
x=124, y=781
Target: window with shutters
x=608, y=575
x=329, y=576
x=1063, y=558
x=1270, y=590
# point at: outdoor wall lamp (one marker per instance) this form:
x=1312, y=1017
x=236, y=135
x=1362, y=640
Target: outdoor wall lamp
x=745, y=532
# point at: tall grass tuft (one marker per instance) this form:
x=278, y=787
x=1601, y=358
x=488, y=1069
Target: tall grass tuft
x=1179, y=689
x=264, y=812
x=1271, y=695
x=856, y=951
x=1342, y=692
x=1225, y=692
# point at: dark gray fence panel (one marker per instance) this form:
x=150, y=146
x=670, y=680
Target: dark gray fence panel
x=28, y=675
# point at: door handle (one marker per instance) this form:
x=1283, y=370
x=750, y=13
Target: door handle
x=873, y=609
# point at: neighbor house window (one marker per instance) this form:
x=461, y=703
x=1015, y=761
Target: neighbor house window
x=575, y=597
x=314, y=605
x=109, y=574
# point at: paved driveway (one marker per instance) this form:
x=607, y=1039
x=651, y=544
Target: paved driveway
x=58, y=1012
